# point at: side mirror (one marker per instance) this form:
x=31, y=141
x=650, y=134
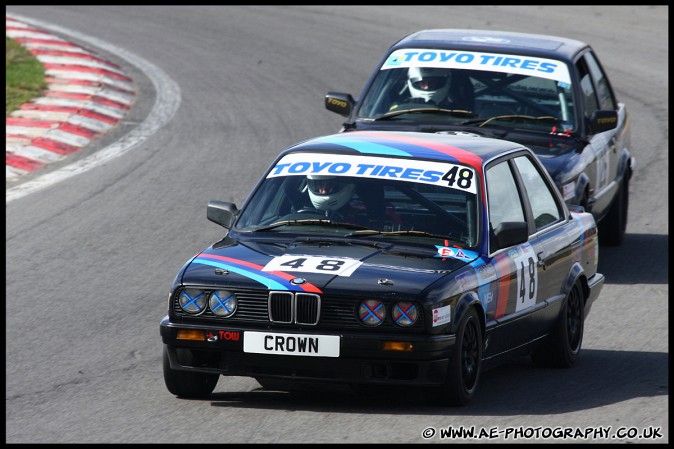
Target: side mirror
x=339, y=102
x=603, y=120
x=511, y=233
x=222, y=213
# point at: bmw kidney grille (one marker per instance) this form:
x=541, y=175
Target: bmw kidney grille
x=298, y=308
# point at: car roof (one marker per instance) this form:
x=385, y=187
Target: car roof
x=494, y=41
x=462, y=147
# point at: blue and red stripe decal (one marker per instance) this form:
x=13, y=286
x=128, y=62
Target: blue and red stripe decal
x=273, y=280
x=388, y=144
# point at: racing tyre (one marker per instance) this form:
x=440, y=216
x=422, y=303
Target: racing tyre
x=562, y=350
x=187, y=384
x=612, y=227
x=465, y=364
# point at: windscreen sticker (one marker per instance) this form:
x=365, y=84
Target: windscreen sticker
x=335, y=266
x=473, y=60
x=443, y=174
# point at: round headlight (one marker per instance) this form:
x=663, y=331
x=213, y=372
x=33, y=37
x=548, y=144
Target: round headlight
x=372, y=312
x=222, y=303
x=192, y=300
x=405, y=313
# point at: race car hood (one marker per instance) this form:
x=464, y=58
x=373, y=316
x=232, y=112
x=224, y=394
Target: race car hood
x=324, y=266
x=560, y=161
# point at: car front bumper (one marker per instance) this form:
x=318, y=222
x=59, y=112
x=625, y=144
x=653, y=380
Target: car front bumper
x=595, y=284
x=361, y=360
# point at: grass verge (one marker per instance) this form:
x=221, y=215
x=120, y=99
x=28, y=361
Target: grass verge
x=24, y=76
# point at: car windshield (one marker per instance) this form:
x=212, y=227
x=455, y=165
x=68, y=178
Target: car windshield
x=471, y=88
x=366, y=197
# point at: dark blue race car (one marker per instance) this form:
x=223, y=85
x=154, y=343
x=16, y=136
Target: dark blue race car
x=398, y=258
x=548, y=93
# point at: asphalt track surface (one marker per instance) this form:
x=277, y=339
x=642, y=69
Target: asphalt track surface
x=90, y=259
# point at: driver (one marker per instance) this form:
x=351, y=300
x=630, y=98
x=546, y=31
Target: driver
x=428, y=84
x=436, y=87
x=329, y=193
x=338, y=197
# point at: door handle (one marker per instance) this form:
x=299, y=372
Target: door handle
x=541, y=262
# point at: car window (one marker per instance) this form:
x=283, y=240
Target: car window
x=546, y=209
x=536, y=94
x=500, y=94
x=604, y=91
x=503, y=197
x=589, y=94
x=381, y=97
x=375, y=194
x=480, y=95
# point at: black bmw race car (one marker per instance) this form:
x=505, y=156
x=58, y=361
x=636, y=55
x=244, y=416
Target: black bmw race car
x=397, y=258
x=548, y=93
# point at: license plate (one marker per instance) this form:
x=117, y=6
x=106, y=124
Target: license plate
x=291, y=344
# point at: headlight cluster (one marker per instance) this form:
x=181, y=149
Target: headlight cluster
x=372, y=312
x=195, y=301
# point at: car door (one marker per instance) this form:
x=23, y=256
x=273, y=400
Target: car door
x=551, y=236
x=516, y=285
x=598, y=95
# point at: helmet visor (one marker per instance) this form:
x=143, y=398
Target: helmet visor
x=430, y=83
x=325, y=186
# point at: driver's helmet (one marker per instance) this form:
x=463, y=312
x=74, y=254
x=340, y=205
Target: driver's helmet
x=329, y=192
x=428, y=83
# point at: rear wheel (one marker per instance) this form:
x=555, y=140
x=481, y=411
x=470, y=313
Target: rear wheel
x=612, y=227
x=187, y=384
x=465, y=365
x=562, y=350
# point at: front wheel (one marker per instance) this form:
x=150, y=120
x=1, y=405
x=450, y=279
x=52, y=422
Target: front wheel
x=187, y=384
x=465, y=365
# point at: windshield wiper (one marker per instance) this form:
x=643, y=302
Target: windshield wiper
x=461, y=112
x=482, y=122
x=313, y=221
x=366, y=232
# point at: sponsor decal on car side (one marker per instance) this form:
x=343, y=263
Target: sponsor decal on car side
x=455, y=253
x=441, y=315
